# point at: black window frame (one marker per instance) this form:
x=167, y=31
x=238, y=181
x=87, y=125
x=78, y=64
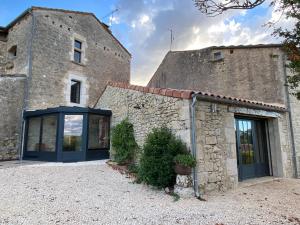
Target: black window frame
x=77, y=55
x=75, y=94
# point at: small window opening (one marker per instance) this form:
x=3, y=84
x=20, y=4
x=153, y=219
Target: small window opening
x=218, y=56
x=75, y=91
x=77, y=51
x=12, y=51
x=231, y=51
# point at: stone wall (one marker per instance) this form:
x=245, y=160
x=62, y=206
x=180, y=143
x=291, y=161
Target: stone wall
x=147, y=111
x=2, y=53
x=19, y=35
x=295, y=111
x=11, y=103
x=249, y=73
x=216, y=145
x=216, y=148
x=103, y=59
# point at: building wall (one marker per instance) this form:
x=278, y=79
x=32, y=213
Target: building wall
x=19, y=35
x=11, y=102
x=249, y=73
x=147, y=111
x=2, y=53
x=104, y=59
x=295, y=111
x=216, y=145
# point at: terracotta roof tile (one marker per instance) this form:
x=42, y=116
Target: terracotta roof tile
x=187, y=94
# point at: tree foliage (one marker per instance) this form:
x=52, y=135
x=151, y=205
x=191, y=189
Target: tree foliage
x=157, y=161
x=123, y=142
x=291, y=37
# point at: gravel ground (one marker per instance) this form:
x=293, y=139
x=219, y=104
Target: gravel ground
x=93, y=193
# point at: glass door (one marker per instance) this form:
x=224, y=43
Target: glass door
x=252, y=148
x=73, y=141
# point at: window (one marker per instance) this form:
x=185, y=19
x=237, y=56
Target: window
x=98, y=132
x=218, y=56
x=73, y=133
x=75, y=91
x=77, y=51
x=12, y=52
x=42, y=134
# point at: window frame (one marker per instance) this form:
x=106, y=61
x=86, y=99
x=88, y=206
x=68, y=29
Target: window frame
x=77, y=95
x=78, y=50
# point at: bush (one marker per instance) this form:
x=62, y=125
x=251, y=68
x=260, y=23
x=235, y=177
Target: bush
x=123, y=142
x=157, y=164
x=185, y=160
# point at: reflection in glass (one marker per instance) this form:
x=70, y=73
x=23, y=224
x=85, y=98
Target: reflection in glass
x=49, y=134
x=33, y=138
x=246, y=141
x=98, y=132
x=73, y=132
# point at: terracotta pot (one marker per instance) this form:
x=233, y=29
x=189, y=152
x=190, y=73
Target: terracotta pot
x=182, y=170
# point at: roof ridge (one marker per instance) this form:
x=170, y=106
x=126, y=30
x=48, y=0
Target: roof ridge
x=187, y=94
x=170, y=92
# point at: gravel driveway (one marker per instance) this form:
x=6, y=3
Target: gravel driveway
x=93, y=193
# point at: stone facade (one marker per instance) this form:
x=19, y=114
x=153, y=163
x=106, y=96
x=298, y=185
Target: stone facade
x=104, y=58
x=40, y=44
x=11, y=101
x=254, y=73
x=215, y=130
x=216, y=145
x=147, y=111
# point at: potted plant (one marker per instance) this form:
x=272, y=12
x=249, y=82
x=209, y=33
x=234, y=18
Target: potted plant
x=184, y=164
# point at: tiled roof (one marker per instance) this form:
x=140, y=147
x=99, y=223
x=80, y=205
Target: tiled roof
x=187, y=94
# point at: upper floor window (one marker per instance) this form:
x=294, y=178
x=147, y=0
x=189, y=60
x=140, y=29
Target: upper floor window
x=218, y=56
x=12, y=52
x=75, y=91
x=77, y=51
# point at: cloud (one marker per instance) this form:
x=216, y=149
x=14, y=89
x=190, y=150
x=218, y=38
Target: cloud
x=148, y=25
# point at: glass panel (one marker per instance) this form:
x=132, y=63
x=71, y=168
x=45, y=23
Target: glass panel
x=49, y=134
x=77, y=44
x=73, y=133
x=77, y=56
x=98, y=132
x=33, y=138
x=75, y=91
x=246, y=142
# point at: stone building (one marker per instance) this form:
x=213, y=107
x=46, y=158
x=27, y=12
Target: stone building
x=65, y=59
x=233, y=139
x=254, y=72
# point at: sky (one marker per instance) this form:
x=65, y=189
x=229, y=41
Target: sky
x=143, y=26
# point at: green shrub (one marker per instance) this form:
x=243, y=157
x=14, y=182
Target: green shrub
x=123, y=142
x=185, y=160
x=157, y=164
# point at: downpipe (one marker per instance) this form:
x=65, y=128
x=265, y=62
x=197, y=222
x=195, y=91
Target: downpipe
x=194, y=147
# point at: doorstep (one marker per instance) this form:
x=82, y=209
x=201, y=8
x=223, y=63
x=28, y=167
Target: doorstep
x=255, y=181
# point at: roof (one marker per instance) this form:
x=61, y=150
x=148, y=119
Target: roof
x=205, y=96
x=271, y=45
x=29, y=10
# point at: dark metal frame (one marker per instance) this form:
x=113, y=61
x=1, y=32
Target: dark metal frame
x=59, y=155
x=242, y=174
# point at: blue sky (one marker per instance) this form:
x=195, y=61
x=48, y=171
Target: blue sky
x=143, y=26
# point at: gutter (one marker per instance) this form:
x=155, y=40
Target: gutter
x=290, y=118
x=194, y=146
x=28, y=82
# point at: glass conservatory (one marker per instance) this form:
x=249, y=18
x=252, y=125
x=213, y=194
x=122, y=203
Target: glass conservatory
x=67, y=134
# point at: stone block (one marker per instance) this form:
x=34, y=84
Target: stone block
x=211, y=140
x=184, y=181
